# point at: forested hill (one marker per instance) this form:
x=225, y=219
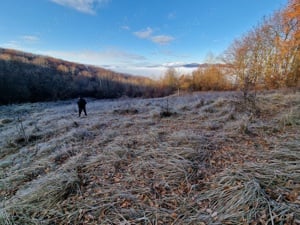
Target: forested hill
x=26, y=77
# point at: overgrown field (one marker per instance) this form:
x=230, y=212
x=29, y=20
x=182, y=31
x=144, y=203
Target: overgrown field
x=204, y=158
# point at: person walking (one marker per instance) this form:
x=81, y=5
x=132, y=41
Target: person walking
x=81, y=106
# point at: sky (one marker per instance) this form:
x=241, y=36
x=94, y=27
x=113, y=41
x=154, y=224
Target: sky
x=139, y=37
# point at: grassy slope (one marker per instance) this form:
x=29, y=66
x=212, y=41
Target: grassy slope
x=213, y=161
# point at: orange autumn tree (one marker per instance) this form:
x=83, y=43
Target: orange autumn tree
x=290, y=44
x=268, y=55
x=251, y=58
x=210, y=78
x=294, y=14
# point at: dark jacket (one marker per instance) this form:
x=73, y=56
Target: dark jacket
x=81, y=103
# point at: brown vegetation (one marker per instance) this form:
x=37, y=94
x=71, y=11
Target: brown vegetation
x=26, y=77
x=213, y=161
x=267, y=57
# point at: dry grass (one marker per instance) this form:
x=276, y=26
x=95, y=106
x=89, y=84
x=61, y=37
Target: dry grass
x=213, y=161
x=259, y=193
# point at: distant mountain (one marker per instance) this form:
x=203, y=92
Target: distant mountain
x=191, y=65
x=27, y=77
x=199, y=65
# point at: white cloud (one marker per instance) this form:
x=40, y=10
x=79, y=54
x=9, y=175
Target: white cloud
x=162, y=39
x=21, y=42
x=153, y=71
x=158, y=39
x=12, y=44
x=172, y=15
x=119, y=54
x=30, y=38
x=85, y=6
x=125, y=27
x=173, y=64
x=144, y=34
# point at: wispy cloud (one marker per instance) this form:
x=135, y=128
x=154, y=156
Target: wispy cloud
x=162, y=39
x=119, y=54
x=84, y=6
x=125, y=27
x=144, y=34
x=30, y=38
x=158, y=39
x=172, y=15
x=12, y=44
x=21, y=42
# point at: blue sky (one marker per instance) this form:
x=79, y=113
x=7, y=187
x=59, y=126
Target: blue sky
x=140, y=37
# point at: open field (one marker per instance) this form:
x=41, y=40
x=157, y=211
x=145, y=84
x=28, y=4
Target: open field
x=204, y=158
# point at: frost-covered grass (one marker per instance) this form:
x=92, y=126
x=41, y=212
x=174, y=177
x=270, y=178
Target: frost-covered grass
x=212, y=160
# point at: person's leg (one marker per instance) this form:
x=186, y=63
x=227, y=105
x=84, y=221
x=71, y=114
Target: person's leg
x=80, y=110
x=84, y=109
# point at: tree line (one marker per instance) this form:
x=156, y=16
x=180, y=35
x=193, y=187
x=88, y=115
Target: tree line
x=266, y=57
x=208, y=77
x=26, y=77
